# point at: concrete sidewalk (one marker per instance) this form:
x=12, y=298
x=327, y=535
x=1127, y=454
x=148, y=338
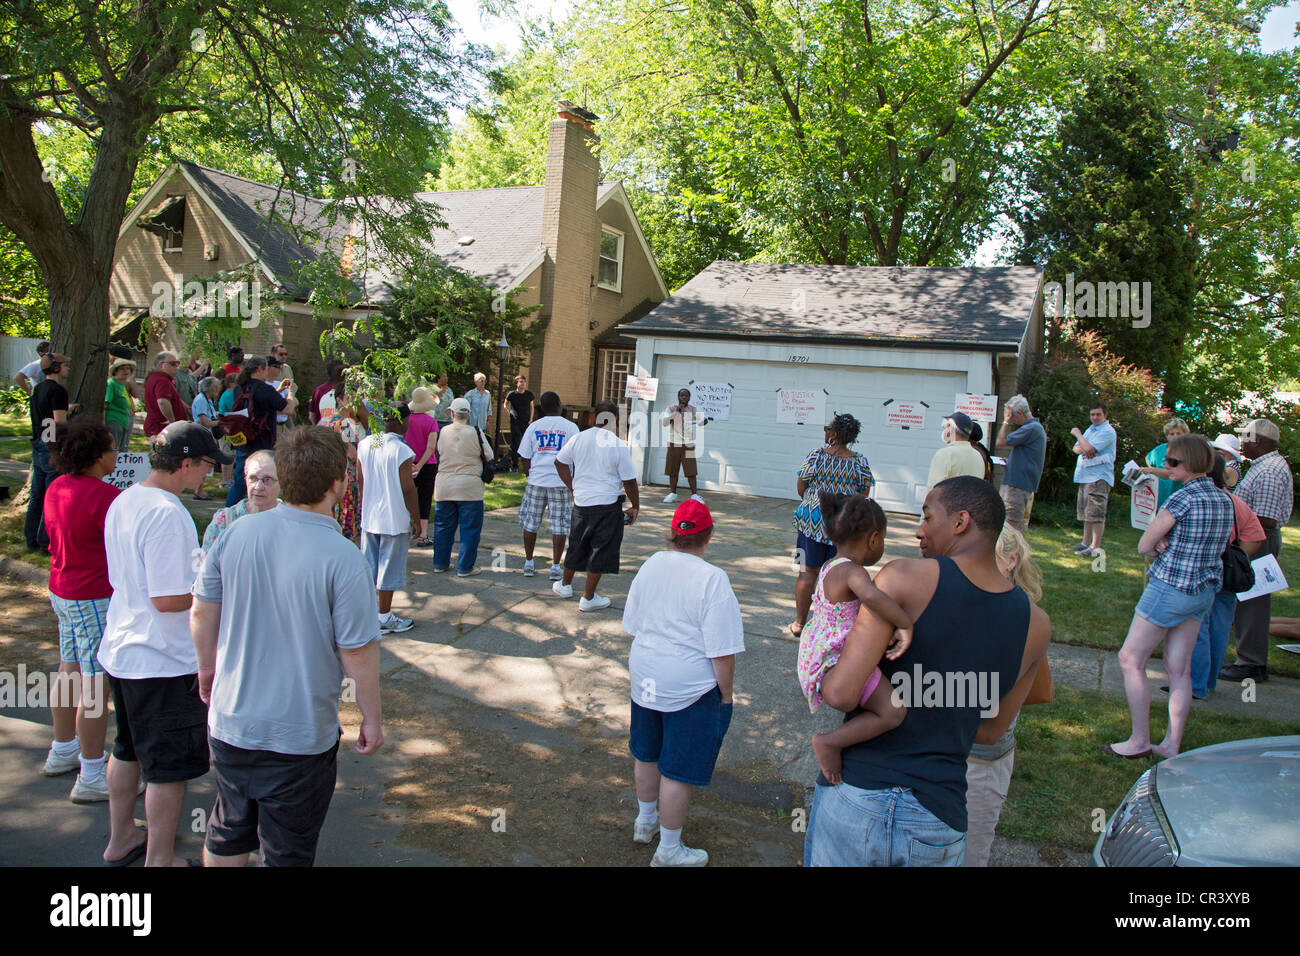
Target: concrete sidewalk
x=501, y=651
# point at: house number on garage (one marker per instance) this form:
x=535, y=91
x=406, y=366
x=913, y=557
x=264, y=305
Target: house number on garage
x=800, y=359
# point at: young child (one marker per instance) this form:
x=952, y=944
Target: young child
x=856, y=525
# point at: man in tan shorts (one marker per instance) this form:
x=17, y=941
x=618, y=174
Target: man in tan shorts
x=681, y=420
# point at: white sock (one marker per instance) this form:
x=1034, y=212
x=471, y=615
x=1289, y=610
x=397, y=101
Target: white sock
x=649, y=810
x=669, y=840
x=93, y=769
x=66, y=748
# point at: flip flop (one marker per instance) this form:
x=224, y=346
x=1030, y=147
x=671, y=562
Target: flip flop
x=796, y=630
x=1108, y=749
x=131, y=856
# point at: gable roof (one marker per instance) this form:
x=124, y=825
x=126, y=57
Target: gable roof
x=977, y=307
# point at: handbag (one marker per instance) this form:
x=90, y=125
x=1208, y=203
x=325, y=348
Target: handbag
x=487, y=474
x=238, y=426
x=1238, y=573
x=1042, y=691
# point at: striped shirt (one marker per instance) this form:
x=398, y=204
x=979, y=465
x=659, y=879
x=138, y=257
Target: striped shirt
x=1267, y=488
x=1202, y=524
x=841, y=475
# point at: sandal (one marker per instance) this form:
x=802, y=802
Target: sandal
x=423, y=542
x=796, y=629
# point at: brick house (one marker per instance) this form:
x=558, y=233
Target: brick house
x=572, y=245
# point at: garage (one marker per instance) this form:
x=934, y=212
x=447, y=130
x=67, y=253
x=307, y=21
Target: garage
x=873, y=342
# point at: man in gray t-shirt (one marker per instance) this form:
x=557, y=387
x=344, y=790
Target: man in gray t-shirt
x=1025, y=436
x=285, y=607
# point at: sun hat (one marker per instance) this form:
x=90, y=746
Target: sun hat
x=422, y=400
x=119, y=363
x=692, y=517
x=1229, y=443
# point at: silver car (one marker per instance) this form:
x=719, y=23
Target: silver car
x=1231, y=804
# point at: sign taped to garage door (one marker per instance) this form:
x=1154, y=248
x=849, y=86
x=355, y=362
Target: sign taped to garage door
x=644, y=388
x=980, y=408
x=711, y=399
x=799, y=406
x=905, y=414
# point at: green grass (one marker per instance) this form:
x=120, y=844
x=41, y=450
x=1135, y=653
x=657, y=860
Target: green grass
x=16, y=437
x=1094, y=608
x=1061, y=776
x=506, y=491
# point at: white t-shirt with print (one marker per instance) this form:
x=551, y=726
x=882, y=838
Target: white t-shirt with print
x=151, y=545
x=383, y=507
x=542, y=441
x=601, y=462
x=682, y=612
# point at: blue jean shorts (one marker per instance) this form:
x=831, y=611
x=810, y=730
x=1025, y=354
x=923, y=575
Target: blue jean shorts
x=685, y=743
x=809, y=554
x=387, y=556
x=850, y=826
x=1165, y=606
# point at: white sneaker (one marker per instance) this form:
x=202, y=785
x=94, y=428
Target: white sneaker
x=470, y=573
x=89, y=791
x=563, y=590
x=390, y=623
x=697, y=498
x=645, y=832
x=56, y=765
x=595, y=604
x=557, y=572
x=530, y=569
x=681, y=855
x=670, y=498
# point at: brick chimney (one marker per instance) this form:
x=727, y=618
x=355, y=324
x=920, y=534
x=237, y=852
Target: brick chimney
x=571, y=234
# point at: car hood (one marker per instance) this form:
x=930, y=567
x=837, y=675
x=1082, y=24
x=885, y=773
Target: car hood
x=1234, y=804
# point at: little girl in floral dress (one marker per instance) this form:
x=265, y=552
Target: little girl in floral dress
x=856, y=525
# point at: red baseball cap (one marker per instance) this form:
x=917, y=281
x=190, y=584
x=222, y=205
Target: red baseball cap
x=692, y=517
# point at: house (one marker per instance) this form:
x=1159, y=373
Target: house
x=790, y=345
x=572, y=246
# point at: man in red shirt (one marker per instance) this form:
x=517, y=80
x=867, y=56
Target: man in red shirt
x=162, y=402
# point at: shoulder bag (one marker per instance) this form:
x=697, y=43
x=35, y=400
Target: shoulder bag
x=1238, y=573
x=487, y=473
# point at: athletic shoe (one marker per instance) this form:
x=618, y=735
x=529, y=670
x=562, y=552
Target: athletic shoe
x=440, y=570
x=645, y=832
x=470, y=573
x=1090, y=553
x=697, y=498
x=530, y=569
x=1079, y=548
x=595, y=604
x=681, y=855
x=563, y=590
x=557, y=572
x=92, y=791
x=670, y=498
x=390, y=623
x=56, y=765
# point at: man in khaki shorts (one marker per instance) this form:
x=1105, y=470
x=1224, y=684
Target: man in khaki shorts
x=681, y=421
x=1024, y=435
x=1094, y=473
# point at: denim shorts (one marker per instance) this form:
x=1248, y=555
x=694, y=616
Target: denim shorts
x=387, y=556
x=685, y=743
x=809, y=554
x=1165, y=606
x=850, y=826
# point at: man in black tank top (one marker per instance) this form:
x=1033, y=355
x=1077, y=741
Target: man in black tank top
x=975, y=649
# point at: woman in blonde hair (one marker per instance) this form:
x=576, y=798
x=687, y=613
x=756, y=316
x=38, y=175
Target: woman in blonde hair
x=988, y=768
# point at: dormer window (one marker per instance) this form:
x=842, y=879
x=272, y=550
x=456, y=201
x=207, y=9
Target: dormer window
x=610, y=271
x=168, y=222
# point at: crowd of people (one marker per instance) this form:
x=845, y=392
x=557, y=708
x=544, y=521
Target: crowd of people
x=228, y=654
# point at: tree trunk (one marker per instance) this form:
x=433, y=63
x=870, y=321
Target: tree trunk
x=78, y=325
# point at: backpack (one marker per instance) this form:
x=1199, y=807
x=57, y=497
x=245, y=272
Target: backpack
x=238, y=429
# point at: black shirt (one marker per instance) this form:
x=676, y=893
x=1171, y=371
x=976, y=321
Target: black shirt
x=521, y=406
x=47, y=398
x=265, y=401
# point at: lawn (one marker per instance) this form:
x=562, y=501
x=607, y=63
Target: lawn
x=1094, y=608
x=16, y=437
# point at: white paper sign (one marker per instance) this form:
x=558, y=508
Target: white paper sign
x=798, y=406
x=1268, y=578
x=1142, y=506
x=132, y=467
x=1132, y=474
x=981, y=408
x=711, y=399
x=904, y=415
x=646, y=388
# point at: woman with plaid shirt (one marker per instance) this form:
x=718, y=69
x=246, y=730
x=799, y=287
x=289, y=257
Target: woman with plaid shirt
x=1187, y=538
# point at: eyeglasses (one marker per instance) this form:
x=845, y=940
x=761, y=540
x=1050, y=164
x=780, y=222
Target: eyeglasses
x=1173, y=462
x=177, y=362
x=264, y=482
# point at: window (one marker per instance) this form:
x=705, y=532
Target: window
x=610, y=271
x=616, y=366
x=168, y=222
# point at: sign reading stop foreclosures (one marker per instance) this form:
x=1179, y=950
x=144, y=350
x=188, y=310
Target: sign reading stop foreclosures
x=980, y=408
x=645, y=388
x=904, y=415
x=1142, y=506
x=132, y=468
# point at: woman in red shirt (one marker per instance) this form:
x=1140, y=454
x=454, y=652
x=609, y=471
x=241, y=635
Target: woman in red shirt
x=76, y=504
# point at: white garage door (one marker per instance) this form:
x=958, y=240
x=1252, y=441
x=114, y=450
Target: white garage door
x=752, y=454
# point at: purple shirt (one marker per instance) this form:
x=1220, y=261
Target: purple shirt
x=418, y=429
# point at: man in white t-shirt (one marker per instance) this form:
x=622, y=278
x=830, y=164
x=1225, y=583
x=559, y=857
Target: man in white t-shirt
x=33, y=373
x=152, y=549
x=390, y=513
x=595, y=466
x=542, y=441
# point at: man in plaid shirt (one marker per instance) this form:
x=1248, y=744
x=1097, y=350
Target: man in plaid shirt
x=1268, y=490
